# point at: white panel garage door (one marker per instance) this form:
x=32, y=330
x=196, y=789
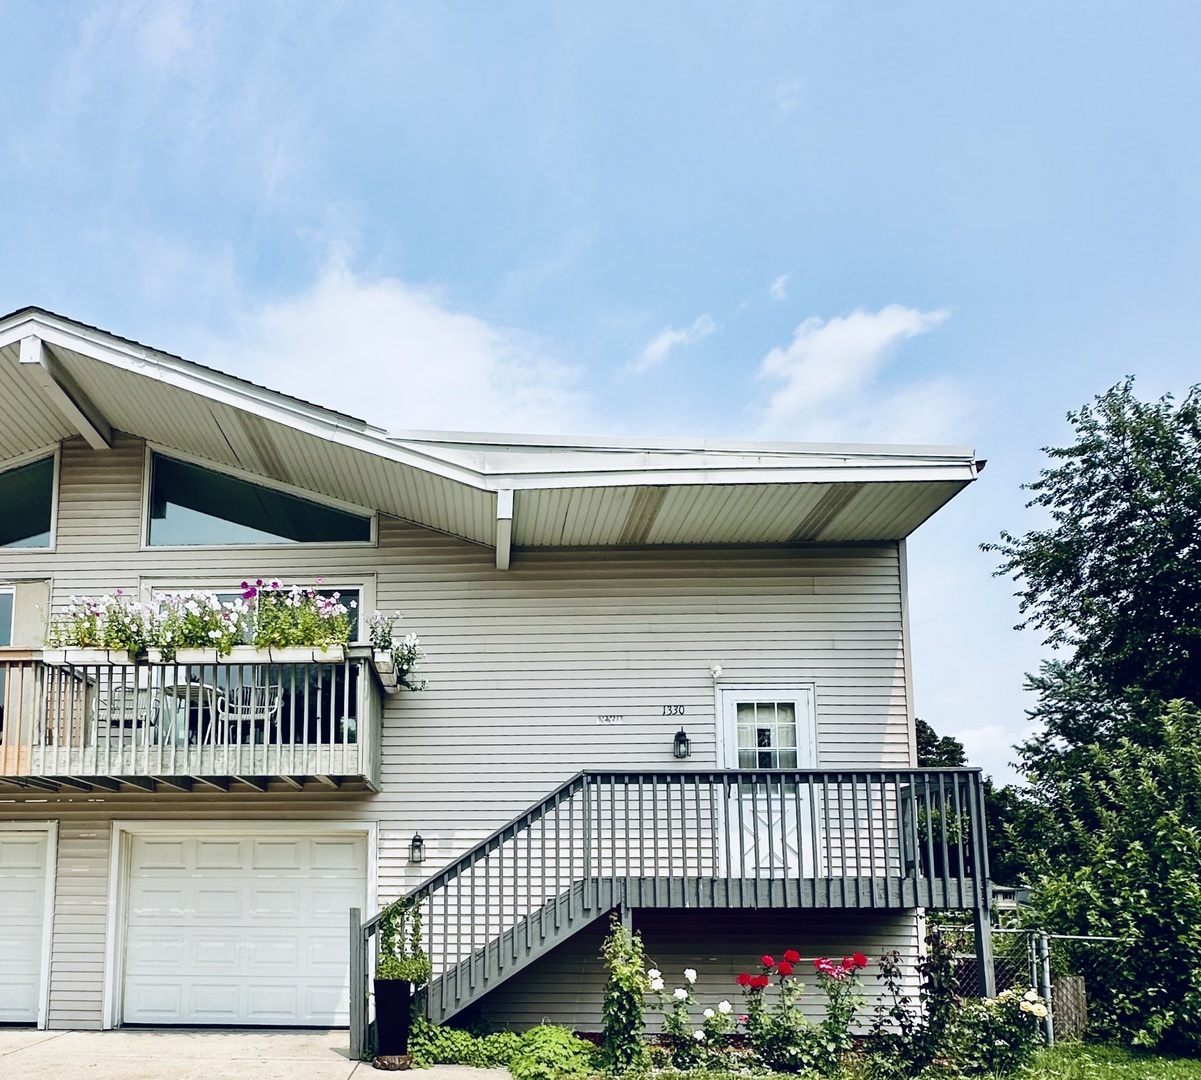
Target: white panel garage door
x=241, y=929
x=22, y=924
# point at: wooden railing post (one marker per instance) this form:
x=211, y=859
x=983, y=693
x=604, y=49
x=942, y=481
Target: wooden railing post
x=358, y=986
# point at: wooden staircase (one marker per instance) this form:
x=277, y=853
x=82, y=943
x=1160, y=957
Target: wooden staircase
x=794, y=839
x=531, y=937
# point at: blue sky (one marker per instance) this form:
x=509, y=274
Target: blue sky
x=933, y=222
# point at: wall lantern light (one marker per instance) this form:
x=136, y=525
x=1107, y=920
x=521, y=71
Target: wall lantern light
x=682, y=745
x=417, y=848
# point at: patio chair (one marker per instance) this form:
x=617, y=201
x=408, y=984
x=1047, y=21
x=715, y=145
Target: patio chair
x=249, y=713
x=124, y=706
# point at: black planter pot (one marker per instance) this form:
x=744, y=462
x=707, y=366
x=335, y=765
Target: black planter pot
x=393, y=1016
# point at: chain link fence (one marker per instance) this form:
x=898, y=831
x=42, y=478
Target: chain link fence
x=1068, y=972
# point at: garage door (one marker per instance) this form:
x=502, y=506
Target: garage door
x=241, y=929
x=22, y=924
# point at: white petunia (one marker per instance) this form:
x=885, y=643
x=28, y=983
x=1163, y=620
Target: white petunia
x=690, y=975
x=724, y=1007
x=680, y=993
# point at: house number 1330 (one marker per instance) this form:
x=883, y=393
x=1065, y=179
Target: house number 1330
x=673, y=710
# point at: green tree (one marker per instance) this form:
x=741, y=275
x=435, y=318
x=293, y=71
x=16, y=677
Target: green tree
x=1002, y=805
x=1116, y=577
x=1135, y=823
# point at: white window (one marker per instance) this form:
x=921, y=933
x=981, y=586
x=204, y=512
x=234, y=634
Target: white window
x=27, y=504
x=191, y=505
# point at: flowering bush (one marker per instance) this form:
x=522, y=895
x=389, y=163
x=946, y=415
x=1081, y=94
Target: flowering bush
x=298, y=616
x=685, y=1042
x=267, y=614
x=196, y=620
x=406, y=652
x=781, y=1035
x=997, y=1035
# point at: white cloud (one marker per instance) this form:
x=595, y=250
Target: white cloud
x=779, y=288
x=398, y=356
x=788, y=98
x=663, y=344
x=827, y=377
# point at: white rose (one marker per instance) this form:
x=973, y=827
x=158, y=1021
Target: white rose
x=699, y=1036
x=724, y=1007
x=656, y=985
x=690, y=975
x=654, y=973
x=709, y=1014
x=680, y=994
x=1031, y=995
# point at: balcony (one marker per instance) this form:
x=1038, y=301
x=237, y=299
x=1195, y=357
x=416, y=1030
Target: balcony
x=111, y=724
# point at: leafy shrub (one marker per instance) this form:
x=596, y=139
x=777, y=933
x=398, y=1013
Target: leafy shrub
x=907, y=1036
x=623, y=1047
x=997, y=1035
x=433, y=1045
x=549, y=1053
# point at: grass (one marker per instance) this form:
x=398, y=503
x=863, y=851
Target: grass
x=1075, y=1062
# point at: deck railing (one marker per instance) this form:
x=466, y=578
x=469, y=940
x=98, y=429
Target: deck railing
x=219, y=719
x=784, y=839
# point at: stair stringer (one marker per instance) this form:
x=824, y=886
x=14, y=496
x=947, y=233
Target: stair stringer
x=530, y=938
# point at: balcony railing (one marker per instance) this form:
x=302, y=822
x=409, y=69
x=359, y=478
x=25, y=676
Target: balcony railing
x=64, y=721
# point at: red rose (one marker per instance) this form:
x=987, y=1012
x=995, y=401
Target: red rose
x=792, y=956
x=759, y=982
x=785, y=968
x=860, y=960
x=743, y=980
x=767, y=961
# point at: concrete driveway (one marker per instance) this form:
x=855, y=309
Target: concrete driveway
x=191, y=1054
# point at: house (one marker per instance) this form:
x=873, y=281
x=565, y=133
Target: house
x=668, y=678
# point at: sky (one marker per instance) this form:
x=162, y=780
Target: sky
x=933, y=222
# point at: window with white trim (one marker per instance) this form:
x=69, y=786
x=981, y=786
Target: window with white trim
x=192, y=505
x=27, y=504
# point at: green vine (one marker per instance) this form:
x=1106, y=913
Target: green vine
x=401, y=955
x=623, y=1049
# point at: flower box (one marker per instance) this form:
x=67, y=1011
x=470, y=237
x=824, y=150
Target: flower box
x=382, y=659
x=80, y=656
x=196, y=656
x=306, y=654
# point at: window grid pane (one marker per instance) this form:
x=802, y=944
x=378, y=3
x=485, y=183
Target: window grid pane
x=770, y=728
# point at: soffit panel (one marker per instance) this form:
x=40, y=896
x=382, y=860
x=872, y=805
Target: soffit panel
x=224, y=435
x=27, y=421
x=733, y=513
x=571, y=517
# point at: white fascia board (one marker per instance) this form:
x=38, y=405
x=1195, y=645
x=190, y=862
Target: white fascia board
x=230, y=391
x=959, y=473
x=487, y=442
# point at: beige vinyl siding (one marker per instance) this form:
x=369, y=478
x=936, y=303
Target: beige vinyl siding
x=521, y=663
x=566, y=985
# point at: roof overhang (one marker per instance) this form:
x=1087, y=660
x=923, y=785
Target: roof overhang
x=60, y=378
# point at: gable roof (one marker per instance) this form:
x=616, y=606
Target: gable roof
x=60, y=378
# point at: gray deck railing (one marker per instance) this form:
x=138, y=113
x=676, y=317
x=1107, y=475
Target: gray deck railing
x=778, y=838
x=219, y=719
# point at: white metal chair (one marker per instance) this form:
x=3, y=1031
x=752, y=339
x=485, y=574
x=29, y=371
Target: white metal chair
x=248, y=713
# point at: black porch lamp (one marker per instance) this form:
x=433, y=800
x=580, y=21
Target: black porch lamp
x=416, y=849
x=681, y=746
